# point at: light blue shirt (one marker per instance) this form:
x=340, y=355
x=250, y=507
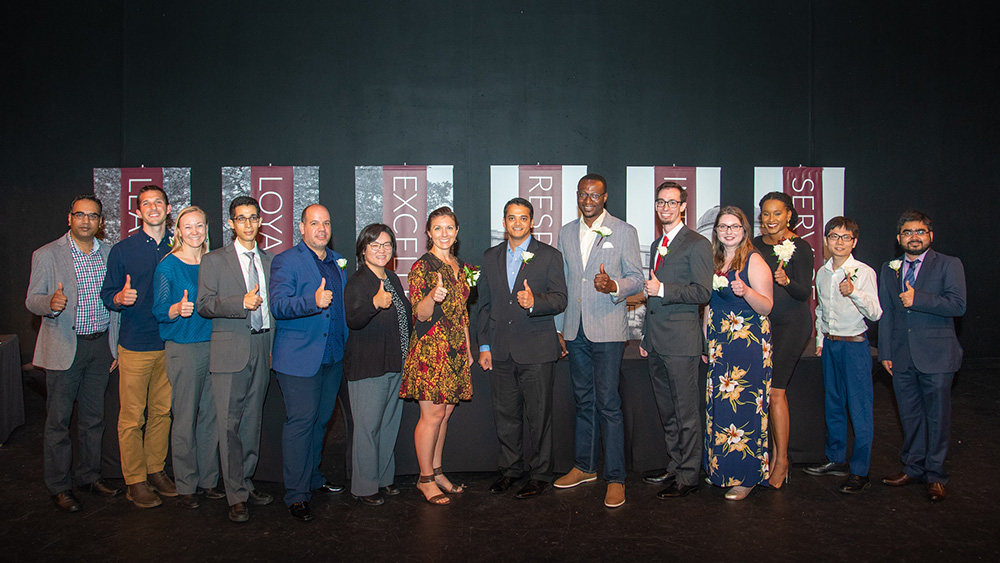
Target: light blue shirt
x=514, y=262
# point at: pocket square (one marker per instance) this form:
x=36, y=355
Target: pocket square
x=607, y=245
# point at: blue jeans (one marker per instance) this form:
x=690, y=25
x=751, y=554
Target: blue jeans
x=595, y=368
x=847, y=380
x=309, y=404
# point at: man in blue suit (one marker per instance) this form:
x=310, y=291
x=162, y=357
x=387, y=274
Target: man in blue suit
x=307, y=300
x=602, y=266
x=921, y=294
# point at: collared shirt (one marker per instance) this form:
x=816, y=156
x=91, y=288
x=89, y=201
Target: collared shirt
x=907, y=266
x=329, y=269
x=837, y=315
x=137, y=257
x=588, y=236
x=514, y=261
x=241, y=253
x=91, y=316
x=670, y=236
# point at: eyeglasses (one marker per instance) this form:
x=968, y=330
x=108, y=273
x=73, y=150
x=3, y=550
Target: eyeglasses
x=672, y=204
x=254, y=219
x=916, y=233
x=833, y=237
x=79, y=215
x=592, y=197
x=376, y=246
x=729, y=228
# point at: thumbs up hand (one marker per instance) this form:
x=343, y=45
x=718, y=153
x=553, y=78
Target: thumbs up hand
x=846, y=287
x=184, y=307
x=525, y=297
x=739, y=288
x=127, y=296
x=780, y=277
x=382, y=299
x=252, y=299
x=439, y=292
x=604, y=283
x=907, y=296
x=323, y=295
x=652, y=285
x=58, y=301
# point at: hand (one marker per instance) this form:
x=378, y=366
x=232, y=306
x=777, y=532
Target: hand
x=739, y=288
x=907, y=296
x=252, y=299
x=652, y=286
x=439, y=292
x=562, y=345
x=604, y=283
x=185, y=307
x=323, y=295
x=382, y=299
x=642, y=351
x=469, y=359
x=846, y=286
x=780, y=277
x=887, y=364
x=704, y=358
x=525, y=298
x=819, y=350
x=127, y=296
x=486, y=360
x=58, y=301
x=114, y=365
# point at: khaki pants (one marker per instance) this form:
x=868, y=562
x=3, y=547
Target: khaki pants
x=143, y=387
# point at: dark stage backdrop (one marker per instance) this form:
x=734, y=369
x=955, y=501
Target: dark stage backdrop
x=901, y=95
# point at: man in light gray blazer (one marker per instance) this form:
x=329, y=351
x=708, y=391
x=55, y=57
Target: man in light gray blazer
x=602, y=267
x=232, y=291
x=75, y=347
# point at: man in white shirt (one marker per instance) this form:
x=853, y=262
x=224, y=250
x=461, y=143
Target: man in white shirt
x=846, y=294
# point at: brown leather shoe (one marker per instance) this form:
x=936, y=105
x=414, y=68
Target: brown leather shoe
x=162, y=484
x=615, y=496
x=898, y=480
x=935, y=492
x=573, y=478
x=142, y=496
x=66, y=501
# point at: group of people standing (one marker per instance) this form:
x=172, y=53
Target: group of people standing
x=195, y=334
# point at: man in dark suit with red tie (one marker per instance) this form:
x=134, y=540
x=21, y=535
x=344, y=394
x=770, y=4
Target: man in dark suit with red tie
x=921, y=294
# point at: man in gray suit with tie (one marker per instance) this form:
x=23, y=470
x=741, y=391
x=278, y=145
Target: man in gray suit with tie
x=602, y=266
x=74, y=347
x=680, y=280
x=232, y=291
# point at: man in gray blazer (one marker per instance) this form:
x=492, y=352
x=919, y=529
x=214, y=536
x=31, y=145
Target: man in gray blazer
x=74, y=346
x=232, y=291
x=602, y=266
x=680, y=279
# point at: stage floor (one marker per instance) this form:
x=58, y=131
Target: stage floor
x=809, y=521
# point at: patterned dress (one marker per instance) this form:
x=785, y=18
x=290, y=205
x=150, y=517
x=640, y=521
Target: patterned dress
x=739, y=379
x=437, y=366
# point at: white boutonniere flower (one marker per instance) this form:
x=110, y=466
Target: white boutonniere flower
x=851, y=273
x=895, y=265
x=527, y=256
x=471, y=275
x=603, y=231
x=342, y=262
x=663, y=251
x=719, y=282
x=784, y=251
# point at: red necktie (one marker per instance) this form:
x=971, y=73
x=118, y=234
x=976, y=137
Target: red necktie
x=659, y=257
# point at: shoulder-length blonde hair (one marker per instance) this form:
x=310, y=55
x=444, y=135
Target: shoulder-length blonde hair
x=176, y=241
x=745, y=247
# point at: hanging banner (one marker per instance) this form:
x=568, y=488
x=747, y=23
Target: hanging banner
x=282, y=192
x=551, y=189
x=118, y=190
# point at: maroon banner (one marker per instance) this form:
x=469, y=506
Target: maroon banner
x=686, y=176
x=404, y=208
x=274, y=189
x=805, y=186
x=542, y=186
x=133, y=179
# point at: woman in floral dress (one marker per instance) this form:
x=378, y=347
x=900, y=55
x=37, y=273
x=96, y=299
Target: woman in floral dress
x=739, y=346
x=437, y=370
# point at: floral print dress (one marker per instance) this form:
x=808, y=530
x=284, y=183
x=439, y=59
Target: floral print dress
x=739, y=380
x=437, y=366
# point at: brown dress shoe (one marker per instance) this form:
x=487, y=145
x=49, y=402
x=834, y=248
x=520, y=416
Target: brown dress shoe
x=66, y=501
x=615, y=495
x=573, y=478
x=142, y=496
x=162, y=484
x=898, y=480
x=935, y=492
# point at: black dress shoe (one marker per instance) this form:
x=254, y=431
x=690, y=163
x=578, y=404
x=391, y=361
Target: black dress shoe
x=855, y=484
x=390, y=490
x=102, y=488
x=829, y=468
x=66, y=502
x=300, y=511
x=188, y=501
x=531, y=489
x=657, y=476
x=371, y=500
x=259, y=498
x=676, y=490
x=502, y=484
x=212, y=493
x=239, y=512
x=330, y=488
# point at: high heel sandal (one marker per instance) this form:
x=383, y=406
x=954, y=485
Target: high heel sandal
x=739, y=492
x=454, y=490
x=436, y=500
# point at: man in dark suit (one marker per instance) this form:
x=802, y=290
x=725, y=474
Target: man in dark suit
x=232, y=291
x=521, y=290
x=921, y=294
x=307, y=297
x=680, y=280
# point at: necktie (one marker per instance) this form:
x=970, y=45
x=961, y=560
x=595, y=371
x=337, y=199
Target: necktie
x=911, y=273
x=659, y=257
x=256, y=316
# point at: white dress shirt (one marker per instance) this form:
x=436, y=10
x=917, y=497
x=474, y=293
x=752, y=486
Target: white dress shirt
x=670, y=236
x=588, y=236
x=245, y=266
x=837, y=315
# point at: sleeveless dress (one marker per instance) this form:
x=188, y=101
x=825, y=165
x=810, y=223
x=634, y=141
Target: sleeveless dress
x=437, y=367
x=739, y=378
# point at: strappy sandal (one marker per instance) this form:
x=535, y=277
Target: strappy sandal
x=436, y=500
x=454, y=490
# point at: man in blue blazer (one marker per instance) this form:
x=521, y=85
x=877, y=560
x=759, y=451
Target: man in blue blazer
x=921, y=293
x=602, y=266
x=307, y=300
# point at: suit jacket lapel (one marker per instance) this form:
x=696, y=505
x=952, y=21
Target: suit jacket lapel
x=234, y=263
x=925, y=268
x=599, y=241
x=501, y=258
x=521, y=274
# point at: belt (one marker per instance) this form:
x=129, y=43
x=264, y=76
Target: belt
x=858, y=338
x=261, y=331
x=93, y=336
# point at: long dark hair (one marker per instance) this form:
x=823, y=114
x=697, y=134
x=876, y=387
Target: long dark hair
x=743, y=251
